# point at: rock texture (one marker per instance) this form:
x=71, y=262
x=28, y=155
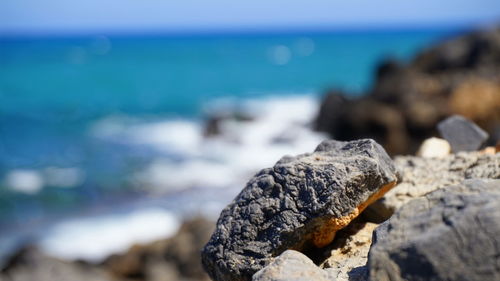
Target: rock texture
x=423, y=175
x=450, y=234
x=299, y=203
x=292, y=265
x=459, y=76
x=349, y=252
x=462, y=134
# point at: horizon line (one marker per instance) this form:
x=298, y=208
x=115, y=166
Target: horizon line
x=247, y=30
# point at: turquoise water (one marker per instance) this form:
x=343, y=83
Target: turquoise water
x=84, y=77
x=53, y=90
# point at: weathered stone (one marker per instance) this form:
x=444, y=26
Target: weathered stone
x=29, y=264
x=174, y=258
x=407, y=100
x=450, y=234
x=349, y=252
x=423, y=175
x=299, y=203
x=292, y=265
x=462, y=134
x=434, y=147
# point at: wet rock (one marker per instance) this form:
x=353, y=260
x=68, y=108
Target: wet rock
x=29, y=264
x=423, y=175
x=462, y=134
x=299, y=203
x=434, y=147
x=349, y=252
x=292, y=265
x=450, y=234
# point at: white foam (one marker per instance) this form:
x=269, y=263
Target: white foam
x=24, y=181
x=179, y=135
x=280, y=127
x=95, y=238
x=223, y=163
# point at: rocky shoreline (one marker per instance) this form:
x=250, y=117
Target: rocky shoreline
x=348, y=210
x=436, y=204
x=401, y=110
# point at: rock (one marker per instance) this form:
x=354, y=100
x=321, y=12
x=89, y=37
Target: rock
x=450, y=234
x=423, y=175
x=214, y=123
x=406, y=102
x=462, y=134
x=353, y=119
x=174, y=258
x=434, y=147
x=29, y=264
x=297, y=204
x=292, y=265
x=349, y=252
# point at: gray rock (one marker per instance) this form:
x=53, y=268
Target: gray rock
x=462, y=134
x=292, y=266
x=450, y=234
x=297, y=204
x=423, y=175
x=349, y=253
x=29, y=264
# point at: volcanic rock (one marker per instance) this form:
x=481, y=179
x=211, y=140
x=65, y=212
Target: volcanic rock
x=402, y=109
x=462, y=134
x=423, y=175
x=348, y=254
x=299, y=203
x=450, y=234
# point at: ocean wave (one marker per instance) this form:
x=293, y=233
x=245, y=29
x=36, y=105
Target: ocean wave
x=277, y=126
x=187, y=171
x=95, y=238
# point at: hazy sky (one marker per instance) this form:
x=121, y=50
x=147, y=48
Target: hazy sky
x=67, y=16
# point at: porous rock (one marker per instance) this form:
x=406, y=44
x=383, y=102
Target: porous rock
x=349, y=252
x=423, y=175
x=450, y=234
x=462, y=134
x=297, y=204
x=292, y=265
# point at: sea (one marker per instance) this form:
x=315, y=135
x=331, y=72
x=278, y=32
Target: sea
x=104, y=140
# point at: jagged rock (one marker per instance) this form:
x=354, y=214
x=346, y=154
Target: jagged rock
x=349, y=252
x=292, y=265
x=462, y=134
x=423, y=175
x=402, y=109
x=434, y=147
x=297, y=204
x=29, y=264
x=450, y=234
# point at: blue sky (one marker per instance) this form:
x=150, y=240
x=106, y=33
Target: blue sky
x=70, y=16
